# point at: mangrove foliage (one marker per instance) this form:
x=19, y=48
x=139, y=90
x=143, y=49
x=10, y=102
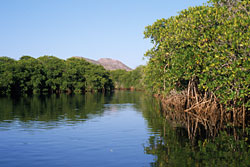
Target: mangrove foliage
x=51, y=74
x=200, y=64
x=128, y=79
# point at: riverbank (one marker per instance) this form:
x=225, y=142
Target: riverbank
x=202, y=117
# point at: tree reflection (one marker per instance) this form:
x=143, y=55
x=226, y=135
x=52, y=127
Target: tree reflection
x=168, y=142
x=171, y=145
x=52, y=107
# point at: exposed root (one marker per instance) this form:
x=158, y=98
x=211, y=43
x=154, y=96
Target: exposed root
x=200, y=112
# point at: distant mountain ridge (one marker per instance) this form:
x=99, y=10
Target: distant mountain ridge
x=109, y=64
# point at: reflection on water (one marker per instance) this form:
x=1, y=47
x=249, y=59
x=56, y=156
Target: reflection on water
x=120, y=129
x=78, y=130
x=171, y=146
x=51, y=108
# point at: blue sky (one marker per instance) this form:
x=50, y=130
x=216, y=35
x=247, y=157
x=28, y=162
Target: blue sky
x=89, y=28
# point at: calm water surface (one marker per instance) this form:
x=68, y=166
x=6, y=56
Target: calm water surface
x=123, y=129
x=89, y=130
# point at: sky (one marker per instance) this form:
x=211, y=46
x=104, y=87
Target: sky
x=88, y=28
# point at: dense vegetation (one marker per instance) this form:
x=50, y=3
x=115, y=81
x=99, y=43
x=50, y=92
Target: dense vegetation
x=204, y=54
x=128, y=79
x=51, y=74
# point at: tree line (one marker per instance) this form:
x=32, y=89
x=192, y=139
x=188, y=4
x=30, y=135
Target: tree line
x=52, y=75
x=49, y=74
x=130, y=80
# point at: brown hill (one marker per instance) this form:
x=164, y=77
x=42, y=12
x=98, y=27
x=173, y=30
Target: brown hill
x=111, y=64
x=108, y=64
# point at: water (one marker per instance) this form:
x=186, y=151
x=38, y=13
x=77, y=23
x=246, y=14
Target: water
x=123, y=129
x=80, y=130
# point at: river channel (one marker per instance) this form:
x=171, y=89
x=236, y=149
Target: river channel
x=76, y=130
x=120, y=129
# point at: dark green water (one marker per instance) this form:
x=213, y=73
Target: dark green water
x=123, y=129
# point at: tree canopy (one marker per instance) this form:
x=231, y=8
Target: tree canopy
x=128, y=79
x=209, y=45
x=51, y=74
